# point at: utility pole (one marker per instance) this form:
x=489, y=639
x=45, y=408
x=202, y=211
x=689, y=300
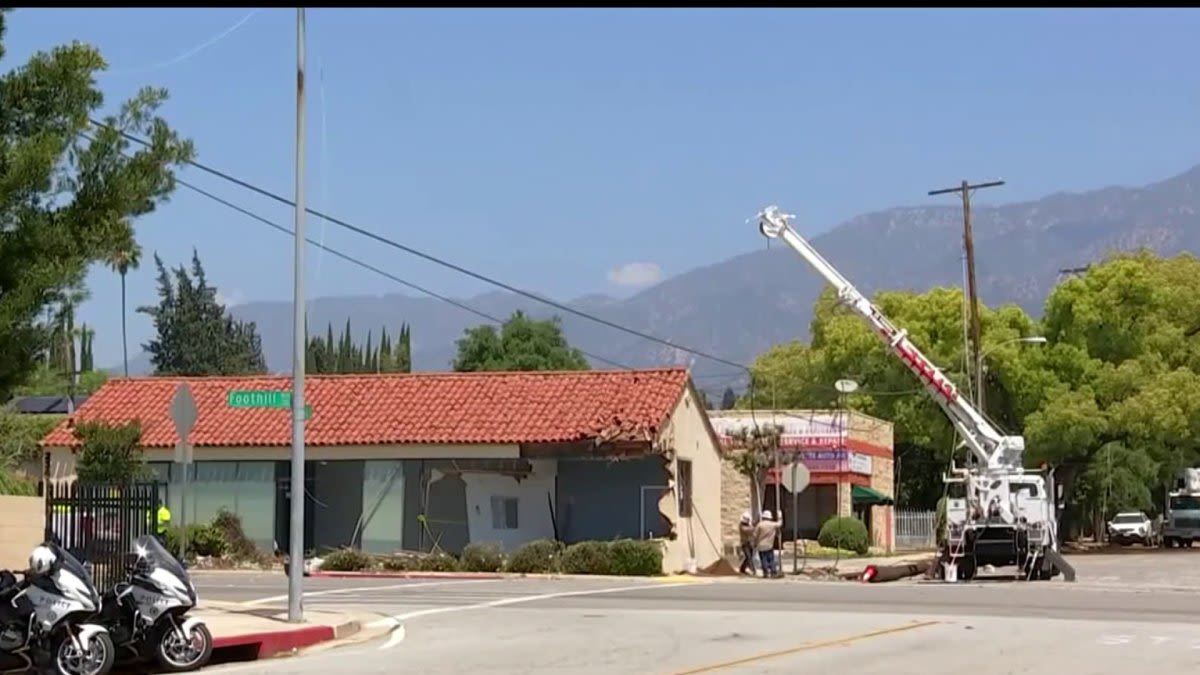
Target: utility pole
x=964, y=189
x=296, y=547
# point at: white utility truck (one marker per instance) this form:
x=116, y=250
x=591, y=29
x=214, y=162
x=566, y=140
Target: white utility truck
x=997, y=512
x=1181, y=522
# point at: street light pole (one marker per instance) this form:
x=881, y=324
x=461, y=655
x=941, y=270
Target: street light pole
x=296, y=547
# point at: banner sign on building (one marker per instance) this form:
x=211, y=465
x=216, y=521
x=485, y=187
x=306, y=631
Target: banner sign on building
x=808, y=430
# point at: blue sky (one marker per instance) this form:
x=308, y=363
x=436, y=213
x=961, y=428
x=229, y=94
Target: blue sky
x=550, y=148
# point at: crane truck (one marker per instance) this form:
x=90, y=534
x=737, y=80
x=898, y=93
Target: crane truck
x=998, y=512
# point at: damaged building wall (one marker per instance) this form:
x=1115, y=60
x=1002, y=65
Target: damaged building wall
x=694, y=505
x=608, y=498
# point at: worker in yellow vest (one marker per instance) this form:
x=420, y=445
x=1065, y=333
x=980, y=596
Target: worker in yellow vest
x=162, y=521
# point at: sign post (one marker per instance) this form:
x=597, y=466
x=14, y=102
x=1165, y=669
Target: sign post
x=183, y=414
x=796, y=481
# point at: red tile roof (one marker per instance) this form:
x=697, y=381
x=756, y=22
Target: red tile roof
x=424, y=408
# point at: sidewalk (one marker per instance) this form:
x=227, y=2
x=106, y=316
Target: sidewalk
x=263, y=632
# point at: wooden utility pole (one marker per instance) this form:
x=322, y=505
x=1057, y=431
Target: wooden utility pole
x=964, y=189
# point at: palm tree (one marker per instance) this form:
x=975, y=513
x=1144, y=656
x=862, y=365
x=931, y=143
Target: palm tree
x=121, y=262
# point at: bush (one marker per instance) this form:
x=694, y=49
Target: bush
x=346, y=560
x=846, y=533
x=588, y=557
x=202, y=540
x=482, y=558
x=238, y=546
x=437, y=562
x=636, y=558
x=401, y=563
x=535, y=557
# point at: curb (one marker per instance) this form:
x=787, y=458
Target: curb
x=269, y=644
x=484, y=576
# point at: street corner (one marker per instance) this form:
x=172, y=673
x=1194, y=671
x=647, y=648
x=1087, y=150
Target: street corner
x=243, y=633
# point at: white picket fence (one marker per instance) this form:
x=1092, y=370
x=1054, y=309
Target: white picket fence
x=915, y=529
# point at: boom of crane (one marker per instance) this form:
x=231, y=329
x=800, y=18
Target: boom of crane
x=1004, y=504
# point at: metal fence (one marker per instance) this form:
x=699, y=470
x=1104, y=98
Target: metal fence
x=99, y=523
x=916, y=529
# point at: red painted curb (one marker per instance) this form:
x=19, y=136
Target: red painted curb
x=277, y=642
x=405, y=575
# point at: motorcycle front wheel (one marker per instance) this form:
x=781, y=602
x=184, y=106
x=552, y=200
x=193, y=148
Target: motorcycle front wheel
x=178, y=655
x=95, y=658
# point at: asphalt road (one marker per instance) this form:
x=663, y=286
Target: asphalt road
x=518, y=626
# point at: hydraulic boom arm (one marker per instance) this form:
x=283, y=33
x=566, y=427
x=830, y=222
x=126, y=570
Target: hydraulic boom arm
x=994, y=450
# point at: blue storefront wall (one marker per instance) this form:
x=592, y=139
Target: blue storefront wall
x=374, y=505
x=600, y=499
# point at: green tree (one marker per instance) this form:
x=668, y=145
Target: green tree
x=69, y=193
x=796, y=375
x=121, y=261
x=520, y=344
x=195, y=335
x=110, y=453
x=728, y=399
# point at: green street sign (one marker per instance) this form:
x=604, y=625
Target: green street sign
x=264, y=399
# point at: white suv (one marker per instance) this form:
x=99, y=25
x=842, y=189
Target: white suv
x=1132, y=527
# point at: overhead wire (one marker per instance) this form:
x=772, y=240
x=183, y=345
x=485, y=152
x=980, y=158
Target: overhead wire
x=437, y=260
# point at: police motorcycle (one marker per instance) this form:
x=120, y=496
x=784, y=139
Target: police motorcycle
x=43, y=617
x=146, y=613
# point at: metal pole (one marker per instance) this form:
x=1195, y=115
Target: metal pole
x=296, y=548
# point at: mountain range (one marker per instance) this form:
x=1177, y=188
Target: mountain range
x=739, y=307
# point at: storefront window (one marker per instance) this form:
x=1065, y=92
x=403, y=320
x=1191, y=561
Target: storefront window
x=383, y=506
x=244, y=488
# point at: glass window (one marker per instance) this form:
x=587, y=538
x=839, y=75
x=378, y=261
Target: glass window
x=244, y=488
x=504, y=513
x=383, y=506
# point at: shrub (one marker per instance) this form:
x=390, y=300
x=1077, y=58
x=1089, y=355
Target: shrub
x=437, y=562
x=482, y=558
x=202, y=540
x=345, y=560
x=401, y=563
x=588, y=557
x=238, y=546
x=535, y=557
x=846, y=533
x=636, y=558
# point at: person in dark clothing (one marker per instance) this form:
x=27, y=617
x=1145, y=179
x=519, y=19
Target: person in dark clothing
x=746, y=538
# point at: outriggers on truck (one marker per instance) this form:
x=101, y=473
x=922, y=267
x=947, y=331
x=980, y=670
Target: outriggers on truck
x=997, y=512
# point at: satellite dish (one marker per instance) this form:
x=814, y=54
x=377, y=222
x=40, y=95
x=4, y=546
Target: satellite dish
x=846, y=386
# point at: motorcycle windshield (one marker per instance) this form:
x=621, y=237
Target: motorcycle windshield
x=151, y=549
x=70, y=563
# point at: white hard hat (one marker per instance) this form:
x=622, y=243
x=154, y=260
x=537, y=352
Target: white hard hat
x=41, y=560
x=746, y=517
x=767, y=515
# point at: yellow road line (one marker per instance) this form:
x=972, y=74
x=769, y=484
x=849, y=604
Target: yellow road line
x=808, y=647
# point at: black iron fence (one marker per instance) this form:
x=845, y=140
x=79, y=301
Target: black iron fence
x=99, y=523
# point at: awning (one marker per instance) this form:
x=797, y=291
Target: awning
x=865, y=495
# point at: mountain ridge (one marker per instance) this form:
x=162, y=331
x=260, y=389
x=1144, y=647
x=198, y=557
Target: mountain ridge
x=740, y=306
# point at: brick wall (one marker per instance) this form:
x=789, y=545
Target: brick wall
x=21, y=528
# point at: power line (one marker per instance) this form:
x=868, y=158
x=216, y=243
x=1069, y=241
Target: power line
x=370, y=267
x=436, y=260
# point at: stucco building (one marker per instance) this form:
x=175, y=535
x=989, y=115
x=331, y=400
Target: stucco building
x=849, y=456
x=400, y=461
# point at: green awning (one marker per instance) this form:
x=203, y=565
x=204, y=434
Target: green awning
x=865, y=495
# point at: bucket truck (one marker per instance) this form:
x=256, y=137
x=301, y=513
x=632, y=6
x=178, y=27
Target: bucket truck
x=997, y=512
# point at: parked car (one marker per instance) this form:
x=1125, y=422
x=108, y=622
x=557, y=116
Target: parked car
x=1133, y=527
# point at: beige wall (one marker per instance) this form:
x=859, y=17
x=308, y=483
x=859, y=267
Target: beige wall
x=735, y=500
x=22, y=525
x=62, y=460
x=873, y=430
x=883, y=527
x=699, y=537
